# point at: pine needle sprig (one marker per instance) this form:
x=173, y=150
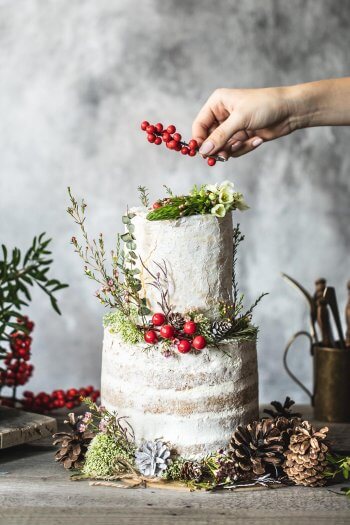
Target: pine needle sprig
x=144, y=195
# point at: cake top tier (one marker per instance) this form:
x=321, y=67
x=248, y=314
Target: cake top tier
x=193, y=254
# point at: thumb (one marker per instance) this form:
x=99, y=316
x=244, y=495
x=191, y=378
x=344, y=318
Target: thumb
x=220, y=136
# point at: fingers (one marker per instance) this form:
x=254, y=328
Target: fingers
x=241, y=148
x=203, y=124
x=217, y=140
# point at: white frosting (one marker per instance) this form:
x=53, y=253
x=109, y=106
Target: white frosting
x=193, y=401
x=198, y=254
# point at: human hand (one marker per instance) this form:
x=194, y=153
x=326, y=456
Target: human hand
x=234, y=122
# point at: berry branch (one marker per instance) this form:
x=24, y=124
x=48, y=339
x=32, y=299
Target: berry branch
x=156, y=134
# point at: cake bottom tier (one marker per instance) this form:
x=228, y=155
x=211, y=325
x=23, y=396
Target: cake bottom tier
x=192, y=401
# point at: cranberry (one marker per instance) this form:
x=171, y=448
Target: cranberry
x=159, y=127
x=199, y=342
x=192, y=153
x=193, y=144
x=151, y=137
x=190, y=327
x=184, y=150
x=166, y=136
x=158, y=319
x=184, y=346
x=158, y=141
x=156, y=205
x=151, y=337
x=211, y=161
x=172, y=144
x=167, y=331
x=177, y=137
x=150, y=129
x=171, y=129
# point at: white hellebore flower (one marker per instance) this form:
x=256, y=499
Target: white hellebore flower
x=219, y=210
x=212, y=188
x=240, y=202
x=227, y=184
x=226, y=195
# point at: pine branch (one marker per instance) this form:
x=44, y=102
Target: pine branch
x=144, y=196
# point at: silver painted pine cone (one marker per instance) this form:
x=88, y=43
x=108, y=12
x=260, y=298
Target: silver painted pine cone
x=152, y=458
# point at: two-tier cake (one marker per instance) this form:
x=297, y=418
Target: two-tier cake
x=185, y=370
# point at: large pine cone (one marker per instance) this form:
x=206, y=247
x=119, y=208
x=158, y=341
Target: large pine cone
x=219, y=329
x=73, y=448
x=306, y=461
x=257, y=449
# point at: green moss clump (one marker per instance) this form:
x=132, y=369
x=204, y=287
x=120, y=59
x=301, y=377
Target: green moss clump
x=118, y=322
x=101, y=456
x=173, y=471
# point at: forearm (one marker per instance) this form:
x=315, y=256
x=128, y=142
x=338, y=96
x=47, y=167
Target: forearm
x=321, y=103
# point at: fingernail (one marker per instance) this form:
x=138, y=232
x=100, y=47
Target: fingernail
x=221, y=158
x=256, y=142
x=207, y=147
x=236, y=145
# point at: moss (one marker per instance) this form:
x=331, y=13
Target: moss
x=117, y=322
x=101, y=456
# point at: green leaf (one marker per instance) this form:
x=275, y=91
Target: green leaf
x=144, y=310
x=131, y=228
x=126, y=219
x=131, y=245
x=126, y=237
x=131, y=215
x=132, y=255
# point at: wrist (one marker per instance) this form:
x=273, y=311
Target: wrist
x=304, y=105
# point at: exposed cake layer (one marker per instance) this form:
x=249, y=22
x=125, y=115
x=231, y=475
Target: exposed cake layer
x=197, y=251
x=193, y=401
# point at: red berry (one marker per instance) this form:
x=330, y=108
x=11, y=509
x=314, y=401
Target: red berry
x=178, y=146
x=199, y=342
x=150, y=129
x=159, y=127
x=156, y=205
x=172, y=144
x=151, y=137
x=72, y=392
x=151, y=337
x=177, y=137
x=192, y=153
x=166, y=136
x=167, y=331
x=144, y=125
x=211, y=161
x=69, y=405
x=158, y=141
x=184, y=346
x=158, y=319
x=171, y=129
x=184, y=150
x=190, y=327
x=193, y=144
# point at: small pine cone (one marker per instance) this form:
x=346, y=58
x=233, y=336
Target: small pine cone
x=176, y=320
x=306, y=459
x=220, y=328
x=257, y=449
x=191, y=471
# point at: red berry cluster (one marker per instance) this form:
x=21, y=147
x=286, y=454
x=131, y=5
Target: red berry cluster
x=70, y=399
x=156, y=134
x=184, y=339
x=18, y=370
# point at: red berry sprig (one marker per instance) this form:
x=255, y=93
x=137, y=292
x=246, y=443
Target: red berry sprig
x=157, y=134
x=184, y=339
x=18, y=370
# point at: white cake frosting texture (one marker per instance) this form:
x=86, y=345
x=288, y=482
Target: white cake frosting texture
x=197, y=251
x=193, y=401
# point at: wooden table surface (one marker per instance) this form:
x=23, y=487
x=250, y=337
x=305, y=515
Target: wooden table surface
x=34, y=490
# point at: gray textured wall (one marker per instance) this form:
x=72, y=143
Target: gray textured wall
x=78, y=77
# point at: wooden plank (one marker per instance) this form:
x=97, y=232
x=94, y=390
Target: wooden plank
x=18, y=427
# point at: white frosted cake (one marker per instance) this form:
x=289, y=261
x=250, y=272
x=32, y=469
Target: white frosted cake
x=192, y=399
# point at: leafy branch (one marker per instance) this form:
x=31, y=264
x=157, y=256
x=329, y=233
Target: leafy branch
x=144, y=196
x=17, y=274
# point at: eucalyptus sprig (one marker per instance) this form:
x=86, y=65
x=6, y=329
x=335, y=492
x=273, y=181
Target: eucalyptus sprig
x=17, y=274
x=119, y=285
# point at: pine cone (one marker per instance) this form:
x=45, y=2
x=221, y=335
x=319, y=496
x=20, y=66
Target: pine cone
x=176, y=320
x=152, y=458
x=220, y=328
x=282, y=410
x=306, y=461
x=287, y=428
x=191, y=471
x=257, y=449
x=73, y=444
